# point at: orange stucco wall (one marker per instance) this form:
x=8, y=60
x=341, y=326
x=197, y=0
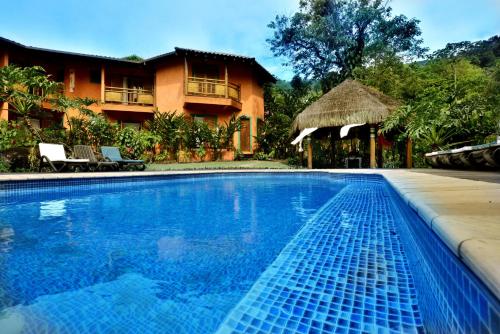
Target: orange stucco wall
x=170, y=76
x=4, y=61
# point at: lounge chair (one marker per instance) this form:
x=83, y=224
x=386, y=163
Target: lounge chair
x=113, y=154
x=86, y=152
x=54, y=156
x=486, y=156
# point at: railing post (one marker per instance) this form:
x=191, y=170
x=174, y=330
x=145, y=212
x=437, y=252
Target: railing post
x=103, y=86
x=185, y=76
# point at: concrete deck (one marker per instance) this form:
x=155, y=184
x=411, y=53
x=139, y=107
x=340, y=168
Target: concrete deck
x=463, y=208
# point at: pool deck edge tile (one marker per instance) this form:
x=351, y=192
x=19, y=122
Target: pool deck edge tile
x=452, y=207
x=465, y=214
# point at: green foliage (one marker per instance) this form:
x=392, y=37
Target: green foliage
x=261, y=156
x=132, y=143
x=134, y=57
x=92, y=130
x=328, y=39
x=166, y=126
x=54, y=134
x=481, y=53
x=452, y=102
x=26, y=89
x=14, y=134
x=389, y=74
x=238, y=155
x=282, y=103
x=294, y=161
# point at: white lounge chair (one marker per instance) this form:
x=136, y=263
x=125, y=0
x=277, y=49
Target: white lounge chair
x=55, y=157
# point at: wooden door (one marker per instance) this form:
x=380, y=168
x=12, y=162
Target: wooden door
x=245, y=135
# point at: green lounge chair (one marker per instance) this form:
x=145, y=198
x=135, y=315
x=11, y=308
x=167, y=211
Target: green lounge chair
x=113, y=154
x=54, y=156
x=86, y=152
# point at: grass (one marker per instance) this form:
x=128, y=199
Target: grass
x=244, y=164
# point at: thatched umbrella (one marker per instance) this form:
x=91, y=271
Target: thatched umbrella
x=348, y=103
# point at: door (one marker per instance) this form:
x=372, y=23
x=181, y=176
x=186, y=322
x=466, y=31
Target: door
x=245, y=136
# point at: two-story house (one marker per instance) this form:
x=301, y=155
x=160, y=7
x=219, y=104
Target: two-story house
x=207, y=86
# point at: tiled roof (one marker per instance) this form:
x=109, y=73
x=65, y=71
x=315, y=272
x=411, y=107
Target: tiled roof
x=8, y=41
x=178, y=51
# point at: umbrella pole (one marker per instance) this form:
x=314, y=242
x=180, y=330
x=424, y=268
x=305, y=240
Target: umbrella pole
x=309, y=153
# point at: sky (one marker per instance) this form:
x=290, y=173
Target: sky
x=152, y=27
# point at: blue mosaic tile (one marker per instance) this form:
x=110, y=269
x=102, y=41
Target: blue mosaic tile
x=345, y=272
x=451, y=298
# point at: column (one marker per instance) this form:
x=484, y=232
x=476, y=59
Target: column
x=309, y=153
x=186, y=73
x=409, y=153
x=373, y=161
x=226, y=81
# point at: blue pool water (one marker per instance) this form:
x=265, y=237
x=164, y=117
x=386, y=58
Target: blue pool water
x=149, y=257
x=239, y=253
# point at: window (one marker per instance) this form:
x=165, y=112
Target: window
x=71, y=81
x=207, y=71
x=60, y=75
x=95, y=76
x=35, y=123
x=133, y=125
x=210, y=120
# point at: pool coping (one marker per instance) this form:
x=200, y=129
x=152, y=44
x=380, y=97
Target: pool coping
x=465, y=214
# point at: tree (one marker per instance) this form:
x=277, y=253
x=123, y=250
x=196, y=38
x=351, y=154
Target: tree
x=282, y=103
x=483, y=53
x=25, y=89
x=328, y=39
x=453, y=103
x=134, y=57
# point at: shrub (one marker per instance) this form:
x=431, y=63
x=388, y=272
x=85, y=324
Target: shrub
x=130, y=142
x=14, y=134
x=238, y=155
x=261, y=156
x=294, y=161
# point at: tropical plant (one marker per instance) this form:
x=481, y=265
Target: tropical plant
x=134, y=143
x=166, y=126
x=222, y=136
x=14, y=134
x=28, y=89
x=282, y=103
x=25, y=89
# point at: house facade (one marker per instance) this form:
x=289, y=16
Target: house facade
x=207, y=86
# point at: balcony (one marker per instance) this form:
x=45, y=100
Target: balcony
x=202, y=91
x=128, y=99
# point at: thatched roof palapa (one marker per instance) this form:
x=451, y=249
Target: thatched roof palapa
x=348, y=103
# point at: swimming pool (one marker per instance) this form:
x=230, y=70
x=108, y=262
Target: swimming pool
x=243, y=253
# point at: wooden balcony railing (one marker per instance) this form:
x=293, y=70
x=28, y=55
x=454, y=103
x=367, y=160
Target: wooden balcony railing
x=134, y=96
x=212, y=88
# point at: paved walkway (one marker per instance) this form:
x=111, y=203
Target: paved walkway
x=492, y=177
x=463, y=208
